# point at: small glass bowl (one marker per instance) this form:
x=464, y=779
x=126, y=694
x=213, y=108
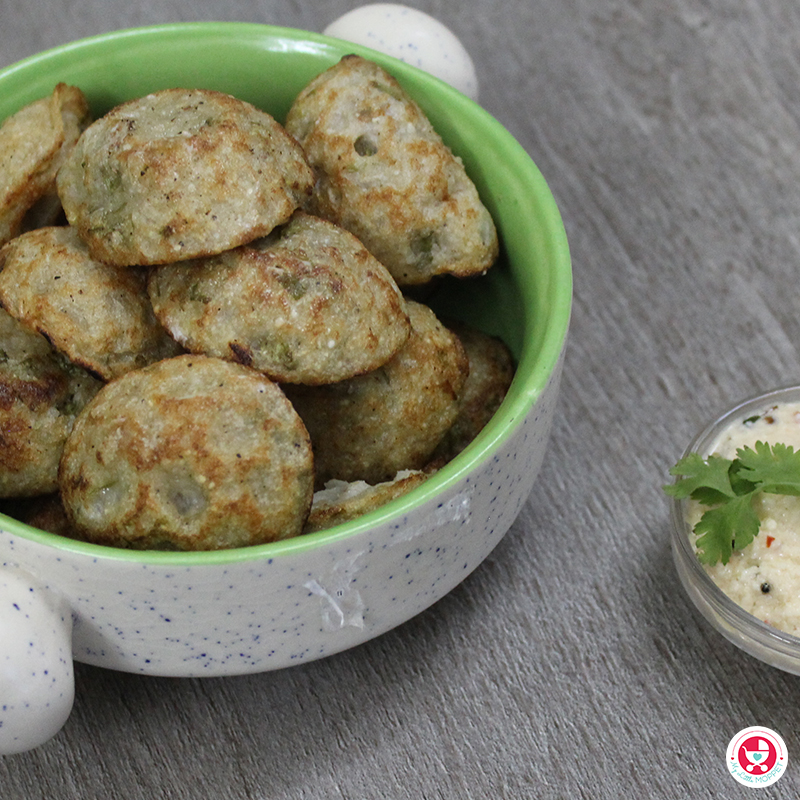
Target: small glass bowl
x=768, y=644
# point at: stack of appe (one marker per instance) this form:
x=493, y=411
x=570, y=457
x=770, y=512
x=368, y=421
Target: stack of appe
x=213, y=346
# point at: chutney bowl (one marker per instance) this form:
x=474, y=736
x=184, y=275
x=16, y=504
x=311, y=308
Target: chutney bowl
x=750, y=634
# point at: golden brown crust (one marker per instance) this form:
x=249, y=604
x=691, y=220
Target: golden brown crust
x=34, y=143
x=491, y=370
x=372, y=426
x=190, y=453
x=181, y=174
x=383, y=173
x=309, y=304
x=40, y=395
x=98, y=315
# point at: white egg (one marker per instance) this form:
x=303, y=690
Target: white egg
x=411, y=36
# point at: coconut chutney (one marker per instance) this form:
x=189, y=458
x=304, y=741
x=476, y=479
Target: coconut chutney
x=764, y=577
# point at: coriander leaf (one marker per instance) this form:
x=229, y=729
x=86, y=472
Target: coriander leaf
x=775, y=469
x=730, y=526
x=707, y=480
x=739, y=478
x=728, y=488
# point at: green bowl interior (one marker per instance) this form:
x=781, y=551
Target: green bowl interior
x=525, y=299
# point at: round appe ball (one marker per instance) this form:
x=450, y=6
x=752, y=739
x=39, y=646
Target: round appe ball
x=98, y=315
x=370, y=427
x=41, y=393
x=307, y=304
x=491, y=370
x=190, y=453
x=384, y=174
x=180, y=174
x=34, y=143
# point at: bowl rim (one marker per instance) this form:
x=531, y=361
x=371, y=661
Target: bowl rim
x=527, y=388
x=763, y=641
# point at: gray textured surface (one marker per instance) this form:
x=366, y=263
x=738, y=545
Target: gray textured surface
x=570, y=665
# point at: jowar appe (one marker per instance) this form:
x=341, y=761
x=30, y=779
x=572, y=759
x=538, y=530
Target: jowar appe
x=211, y=270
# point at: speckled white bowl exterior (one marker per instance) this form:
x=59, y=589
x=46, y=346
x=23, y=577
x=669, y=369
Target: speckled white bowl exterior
x=251, y=614
x=271, y=606
x=412, y=36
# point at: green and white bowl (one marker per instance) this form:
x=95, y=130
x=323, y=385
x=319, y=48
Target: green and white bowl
x=271, y=606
